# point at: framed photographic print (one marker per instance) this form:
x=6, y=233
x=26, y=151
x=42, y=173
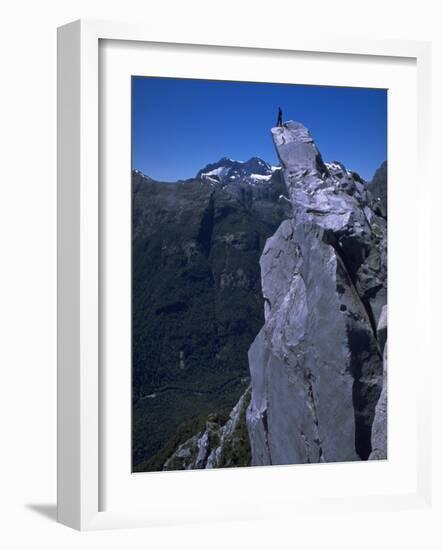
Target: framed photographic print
x=259, y=289
x=232, y=227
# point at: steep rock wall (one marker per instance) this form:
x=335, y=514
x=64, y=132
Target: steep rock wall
x=316, y=365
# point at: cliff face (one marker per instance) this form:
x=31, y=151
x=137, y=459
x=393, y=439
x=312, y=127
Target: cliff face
x=316, y=365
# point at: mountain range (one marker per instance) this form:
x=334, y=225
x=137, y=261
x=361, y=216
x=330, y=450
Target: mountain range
x=197, y=300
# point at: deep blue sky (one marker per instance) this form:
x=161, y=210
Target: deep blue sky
x=180, y=125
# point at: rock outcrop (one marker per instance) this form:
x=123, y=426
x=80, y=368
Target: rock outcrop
x=218, y=445
x=316, y=365
x=379, y=430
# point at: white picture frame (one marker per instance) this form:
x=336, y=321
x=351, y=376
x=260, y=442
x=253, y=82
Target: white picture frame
x=79, y=265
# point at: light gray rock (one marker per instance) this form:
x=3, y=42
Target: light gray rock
x=316, y=365
x=296, y=148
x=337, y=200
x=382, y=328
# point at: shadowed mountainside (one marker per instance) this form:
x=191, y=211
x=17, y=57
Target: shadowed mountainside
x=197, y=300
x=378, y=186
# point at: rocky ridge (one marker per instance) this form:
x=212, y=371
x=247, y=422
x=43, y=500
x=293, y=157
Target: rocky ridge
x=255, y=184
x=254, y=171
x=219, y=445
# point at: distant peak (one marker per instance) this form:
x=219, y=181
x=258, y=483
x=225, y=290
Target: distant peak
x=226, y=170
x=140, y=174
x=227, y=159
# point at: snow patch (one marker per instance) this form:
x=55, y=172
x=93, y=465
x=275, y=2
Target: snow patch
x=261, y=177
x=215, y=171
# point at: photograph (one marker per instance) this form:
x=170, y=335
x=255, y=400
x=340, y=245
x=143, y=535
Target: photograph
x=221, y=298
x=259, y=274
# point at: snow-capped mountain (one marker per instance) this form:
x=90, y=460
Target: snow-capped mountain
x=254, y=183
x=253, y=171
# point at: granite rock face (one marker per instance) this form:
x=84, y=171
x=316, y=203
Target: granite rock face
x=316, y=365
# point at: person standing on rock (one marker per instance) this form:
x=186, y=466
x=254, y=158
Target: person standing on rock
x=279, y=123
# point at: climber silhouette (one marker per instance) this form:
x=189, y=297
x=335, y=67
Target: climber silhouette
x=279, y=123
